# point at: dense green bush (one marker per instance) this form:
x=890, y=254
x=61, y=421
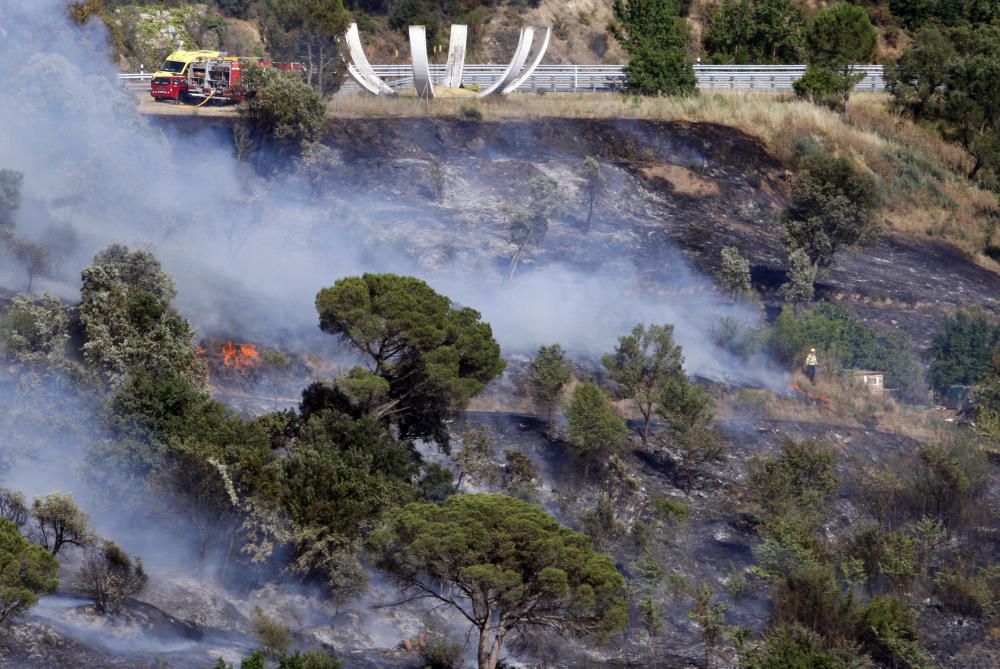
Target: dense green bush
x=799, y=478
x=840, y=37
x=280, y=107
x=915, y=13
x=948, y=77
x=755, y=32
x=962, y=348
x=834, y=205
x=656, y=40
x=26, y=572
x=888, y=632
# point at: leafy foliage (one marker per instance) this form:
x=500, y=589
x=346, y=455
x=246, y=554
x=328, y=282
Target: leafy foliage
x=734, y=272
x=529, y=225
x=755, y=32
x=14, y=508
x=26, y=572
x=840, y=37
x=274, y=636
x=434, y=356
x=689, y=410
x=915, y=13
x=110, y=576
x=10, y=201
x=34, y=333
x=842, y=340
x=60, y=522
x=643, y=363
x=305, y=31
x=459, y=554
x=947, y=76
x=520, y=476
x=548, y=373
x=800, y=478
x=961, y=350
x=656, y=40
x=128, y=321
x=594, y=428
x=281, y=108
x=799, y=288
x=834, y=204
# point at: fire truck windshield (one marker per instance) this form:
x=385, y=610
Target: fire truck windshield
x=173, y=66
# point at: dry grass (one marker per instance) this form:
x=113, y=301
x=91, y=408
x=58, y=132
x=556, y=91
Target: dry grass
x=836, y=400
x=923, y=178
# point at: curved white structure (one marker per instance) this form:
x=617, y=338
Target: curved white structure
x=520, y=55
x=528, y=71
x=360, y=68
x=513, y=76
x=456, y=57
x=421, y=67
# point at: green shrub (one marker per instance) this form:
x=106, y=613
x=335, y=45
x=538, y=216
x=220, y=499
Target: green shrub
x=656, y=40
x=280, y=107
x=821, y=85
x=799, y=479
x=976, y=595
x=273, y=635
x=28, y=571
x=790, y=647
x=961, y=350
x=755, y=32
x=440, y=652
x=668, y=510
x=888, y=632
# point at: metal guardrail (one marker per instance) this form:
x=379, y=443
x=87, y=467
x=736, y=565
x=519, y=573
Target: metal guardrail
x=583, y=78
x=137, y=82
x=587, y=78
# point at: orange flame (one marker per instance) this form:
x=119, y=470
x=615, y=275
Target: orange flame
x=816, y=395
x=240, y=356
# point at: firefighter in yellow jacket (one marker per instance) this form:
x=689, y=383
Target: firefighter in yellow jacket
x=811, y=365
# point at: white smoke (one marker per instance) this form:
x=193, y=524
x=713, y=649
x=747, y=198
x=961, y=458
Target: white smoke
x=249, y=253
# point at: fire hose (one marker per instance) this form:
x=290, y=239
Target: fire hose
x=210, y=95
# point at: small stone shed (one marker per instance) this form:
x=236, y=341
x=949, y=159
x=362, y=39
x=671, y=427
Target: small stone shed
x=873, y=382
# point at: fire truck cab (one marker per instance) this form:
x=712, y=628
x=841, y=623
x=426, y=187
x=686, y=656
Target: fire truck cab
x=170, y=82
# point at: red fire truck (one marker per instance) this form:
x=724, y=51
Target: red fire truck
x=206, y=75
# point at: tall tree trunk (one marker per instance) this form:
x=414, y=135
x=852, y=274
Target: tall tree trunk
x=975, y=168
x=590, y=212
x=322, y=63
x=484, y=647
x=229, y=554
x=494, y=658
x=310, y=65
x=513, y=263
x=645, y=428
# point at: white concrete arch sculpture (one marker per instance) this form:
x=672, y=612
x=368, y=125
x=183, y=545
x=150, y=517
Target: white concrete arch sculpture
x=456, y=57
x=513, y=76
x=528, y=71
x=516, y=63
x=421, y=66
x=360, y=68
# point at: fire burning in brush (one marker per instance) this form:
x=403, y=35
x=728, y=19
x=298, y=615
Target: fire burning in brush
x=240, y=357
